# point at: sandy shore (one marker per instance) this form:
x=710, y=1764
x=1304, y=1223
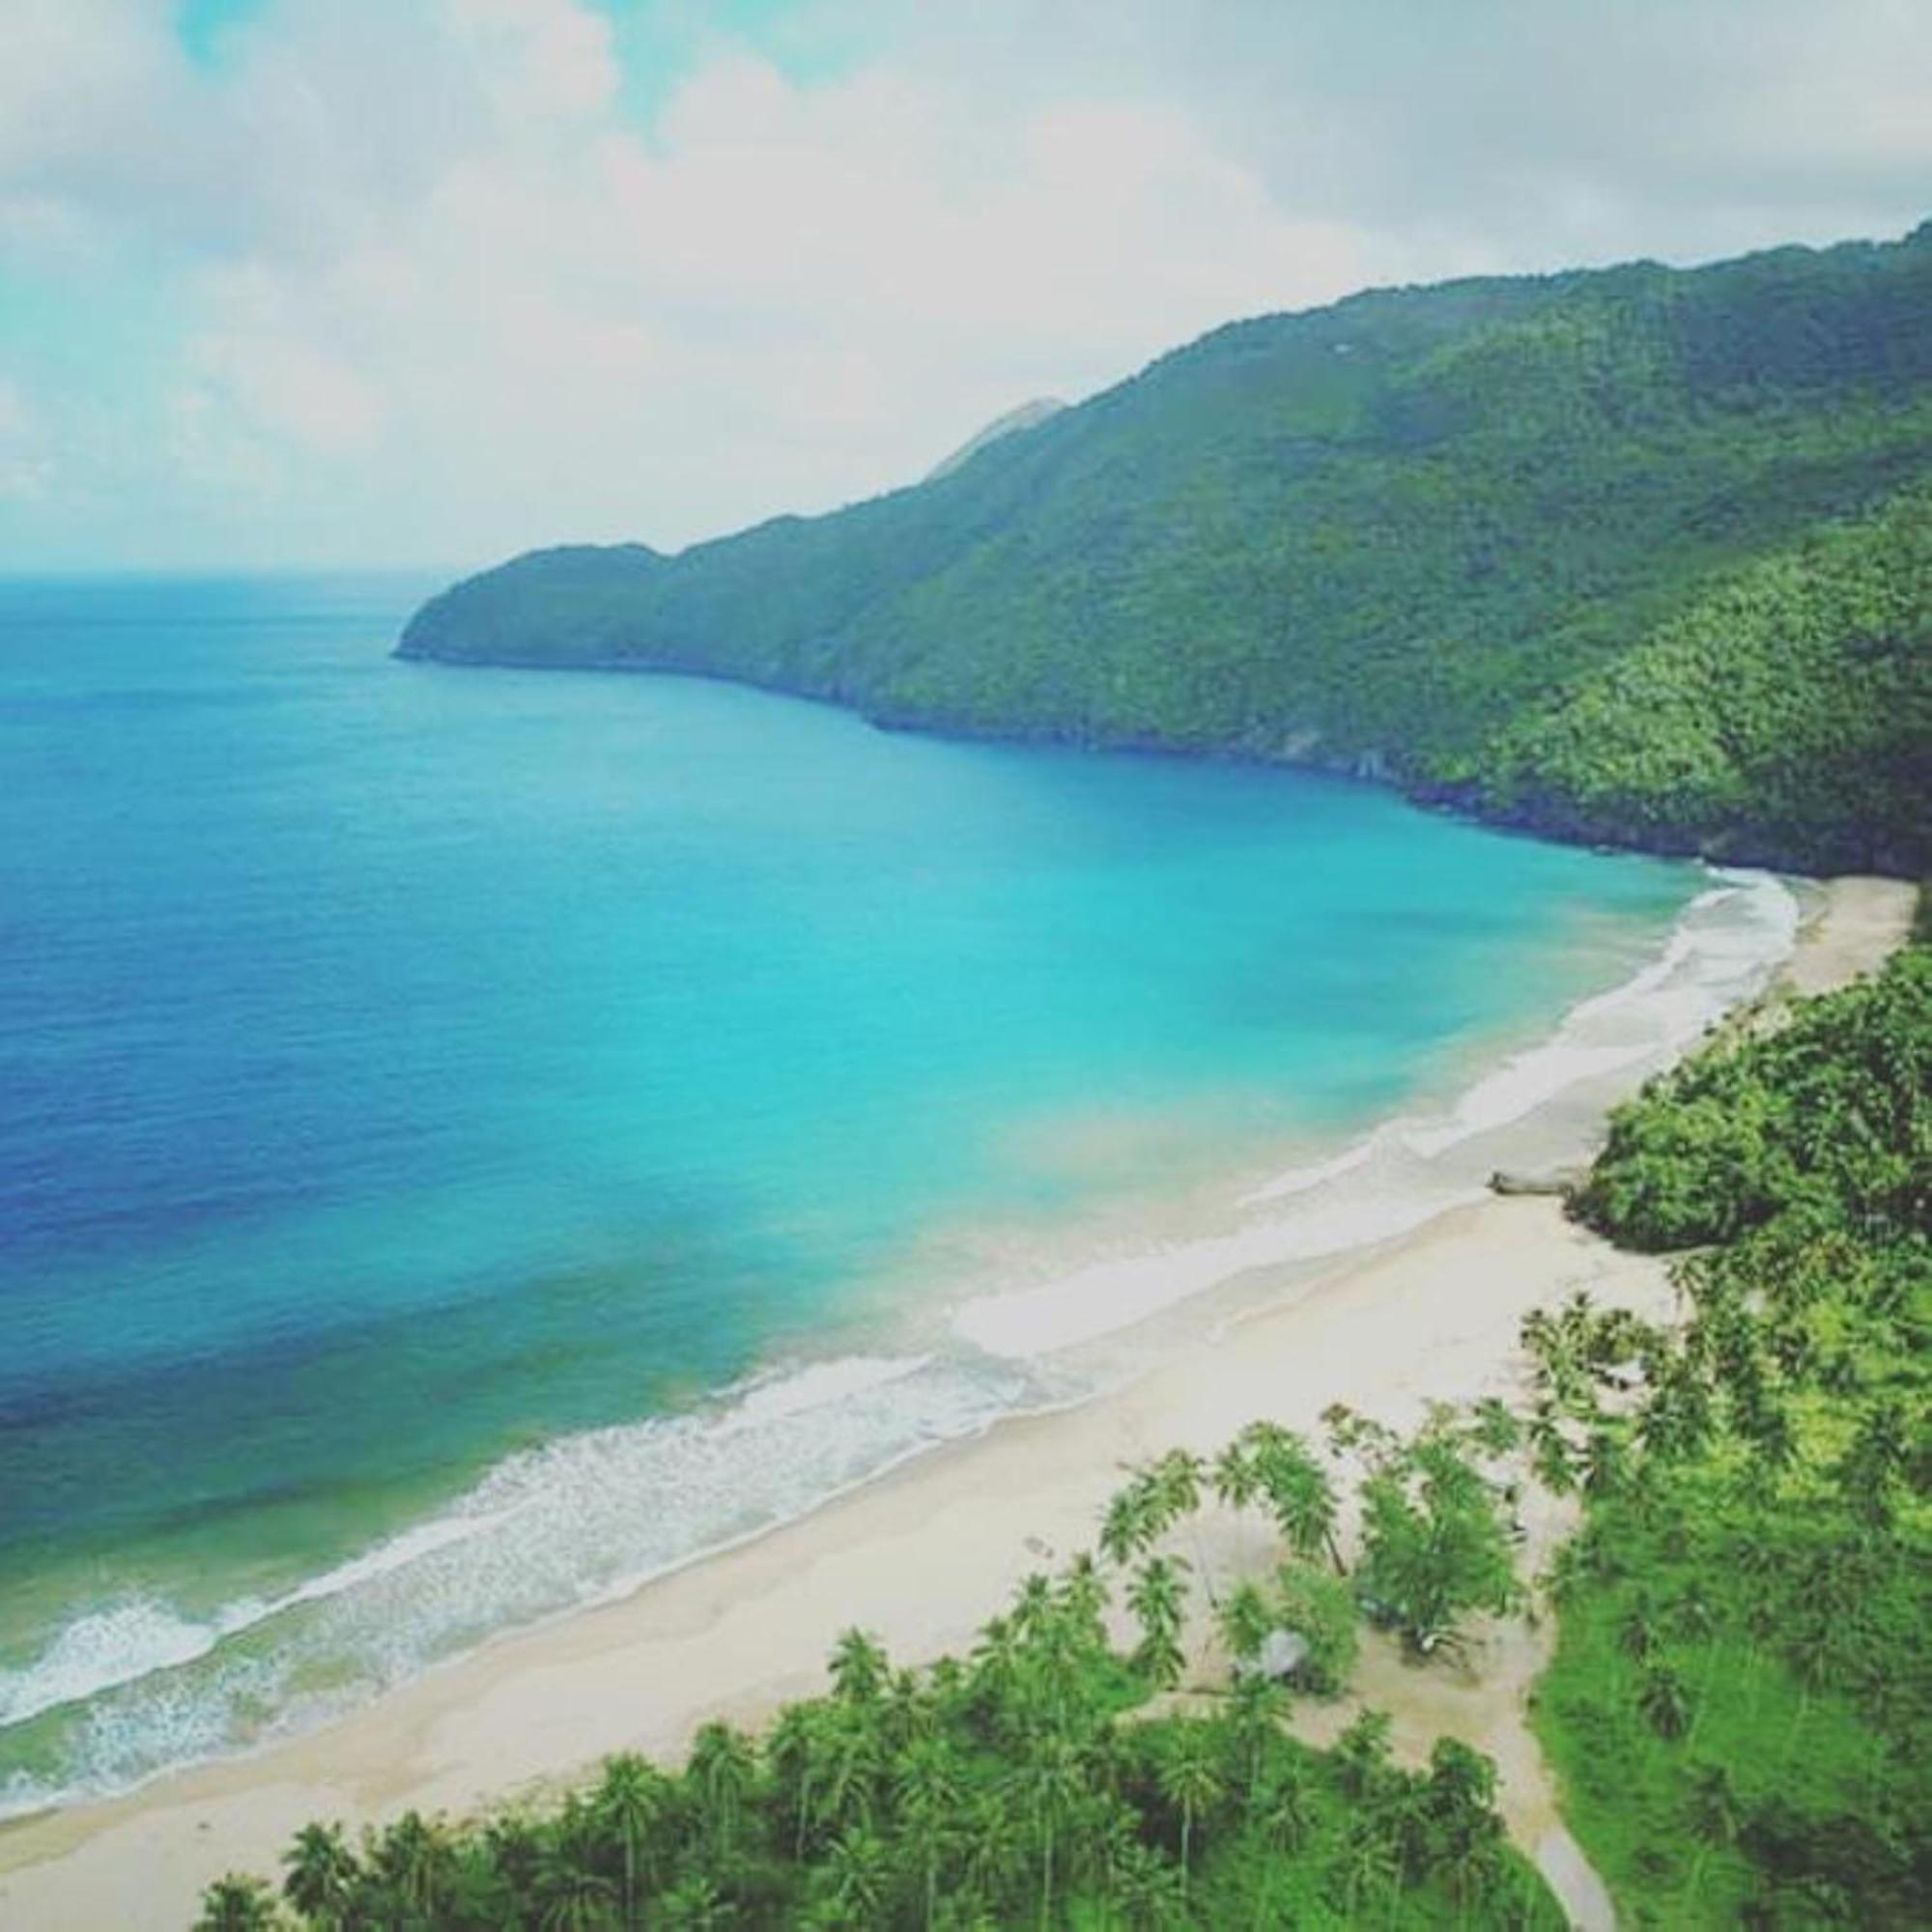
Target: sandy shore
x=921, y=1556
x=1857, y=925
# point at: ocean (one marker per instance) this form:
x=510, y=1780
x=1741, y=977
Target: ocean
x=472, y=1140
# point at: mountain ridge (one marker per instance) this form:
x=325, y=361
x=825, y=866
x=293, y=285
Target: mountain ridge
x=1014, y=422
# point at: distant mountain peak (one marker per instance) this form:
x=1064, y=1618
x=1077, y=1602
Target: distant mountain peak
x=1027, y=416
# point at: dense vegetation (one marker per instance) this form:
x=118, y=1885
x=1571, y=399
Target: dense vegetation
x=1046, y=1779
x=1635, y=554
x=1789, y=709
x=1739, y=1707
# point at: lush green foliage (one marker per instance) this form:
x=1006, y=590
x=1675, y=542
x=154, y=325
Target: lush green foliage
x=1555, y=547
x=1739, y=1707
x=1030, y=1783
x=1435, y=1546
x=1787, y=710
x=1830, y=1113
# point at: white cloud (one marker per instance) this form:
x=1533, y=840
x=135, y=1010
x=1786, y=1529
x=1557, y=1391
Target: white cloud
x=443, y=299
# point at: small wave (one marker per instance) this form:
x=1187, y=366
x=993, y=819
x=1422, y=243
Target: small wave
x=792, y=1392
x=135, y=1689
x=132, y=1639
x=1301, y=1180
x=1724, y=949
x=1109, y=1295
x=103, y=1648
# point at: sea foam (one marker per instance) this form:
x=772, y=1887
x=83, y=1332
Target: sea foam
x=135, y=1689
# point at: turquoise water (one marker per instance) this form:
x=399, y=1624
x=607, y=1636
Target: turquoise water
x=427, y=1091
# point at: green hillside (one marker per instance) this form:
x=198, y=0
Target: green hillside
x=1738, y=1708
x=1636, y=554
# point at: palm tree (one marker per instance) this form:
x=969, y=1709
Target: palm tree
x=411, y=1859
x=1284, y=1810
x=722, y=1770
x=859, y=1869
x=1552, y=1459
x=1455, y=1809
x=514, y=1846
x=1691, y=1616
x=910, y=1711
x=1235, y=1480
x=1147, y=1888
x=928, y=1789
x=1033, y=1605
x=1603, y=1463
x=1665, y=1701
x=1637, y=1635
x=572, y=1896
x=1301, y=1498
x=1061, y=1669
x=987, y=1842
x=1177, y=1482
x=693, y=1904
x=1255, y=1710
x=321, y=1874
x=1083, y=1598
x=1716, y=1815
x=1371, y=1859
x=630, y=1803
x=1178, y=1478
x=1773, y=1435
x=1157, y=1599
x=950, y=1686
x=1871, y=1467
x=1362, y=1755
x=1555, y=1346
x=1245, y=1620
x=1127, y=1528
x=997, y=1659
x=237, y=1904
x=793, y=1750
x=1189, y=1781
x=849, y=1764
x=1048, y=1789
x=1677, y=1420
x=858, y=1668
x=1493, y=1427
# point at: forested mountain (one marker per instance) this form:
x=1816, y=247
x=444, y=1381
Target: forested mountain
x=1637, y=553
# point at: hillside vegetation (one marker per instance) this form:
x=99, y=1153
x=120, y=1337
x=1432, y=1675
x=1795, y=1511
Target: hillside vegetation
x=1738, y=1708
x=1638, y=554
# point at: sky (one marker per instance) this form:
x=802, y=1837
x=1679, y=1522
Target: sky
x=293, y=283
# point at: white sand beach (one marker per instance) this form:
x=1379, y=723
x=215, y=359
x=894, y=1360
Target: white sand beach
x=920, y=1556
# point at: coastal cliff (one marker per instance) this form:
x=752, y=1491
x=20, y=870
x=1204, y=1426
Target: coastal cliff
x=1640, y=554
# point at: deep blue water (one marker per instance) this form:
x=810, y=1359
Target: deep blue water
x=406, y=1068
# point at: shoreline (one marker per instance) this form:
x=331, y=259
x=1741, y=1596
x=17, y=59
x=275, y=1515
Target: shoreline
x=1548, y=824
x=921, y=1553
x=991, y=1319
